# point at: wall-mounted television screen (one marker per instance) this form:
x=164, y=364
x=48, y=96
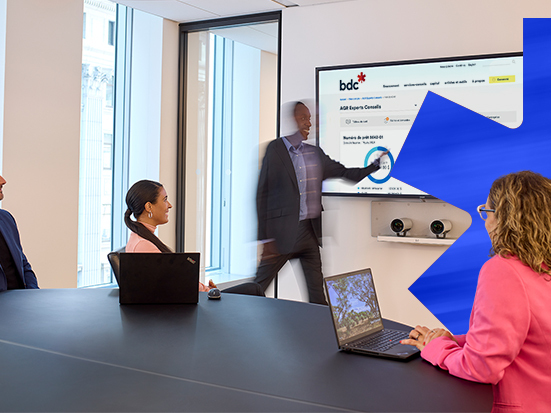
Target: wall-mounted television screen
x=365, y=109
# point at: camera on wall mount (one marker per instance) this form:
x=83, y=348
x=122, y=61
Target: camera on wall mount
x=440, y=227
x=401, y=226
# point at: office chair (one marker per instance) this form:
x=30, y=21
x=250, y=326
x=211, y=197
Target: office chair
x=115, y=262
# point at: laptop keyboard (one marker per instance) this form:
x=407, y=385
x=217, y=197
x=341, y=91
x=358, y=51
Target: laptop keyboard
x=381, y=341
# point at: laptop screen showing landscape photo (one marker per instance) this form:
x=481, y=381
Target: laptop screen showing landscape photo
x=354, y=305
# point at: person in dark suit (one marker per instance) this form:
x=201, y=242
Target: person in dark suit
x=15, y=270
x=289, y=203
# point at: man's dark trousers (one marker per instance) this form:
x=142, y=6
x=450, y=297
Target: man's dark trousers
x=307, y=250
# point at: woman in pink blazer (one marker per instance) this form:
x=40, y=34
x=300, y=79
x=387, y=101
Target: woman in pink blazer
x=509, y=339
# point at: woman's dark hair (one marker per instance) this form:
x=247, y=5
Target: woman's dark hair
x=137, y=196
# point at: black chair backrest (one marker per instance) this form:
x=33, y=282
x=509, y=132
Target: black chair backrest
x=114, y=260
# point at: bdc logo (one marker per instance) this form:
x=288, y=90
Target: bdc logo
x=352, y=85
x=348, y=86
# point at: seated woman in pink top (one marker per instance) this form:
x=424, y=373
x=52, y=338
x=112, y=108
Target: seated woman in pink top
x=148, y=202
x=509, y=339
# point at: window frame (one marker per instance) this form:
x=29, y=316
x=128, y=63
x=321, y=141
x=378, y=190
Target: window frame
x=185, y=29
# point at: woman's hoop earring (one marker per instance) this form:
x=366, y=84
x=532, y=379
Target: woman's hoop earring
x=149, y=214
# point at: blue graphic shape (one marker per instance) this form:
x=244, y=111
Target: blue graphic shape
x=382, y=149
x=455, y=154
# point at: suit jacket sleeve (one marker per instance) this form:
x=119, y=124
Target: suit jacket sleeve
x=499, y=326
x=30, y=277
x=334, y=169
x=262, y=196
x=20, y=259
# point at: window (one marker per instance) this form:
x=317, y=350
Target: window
x=107, y=157
x=232, y=81
x=117, y=97
x=96, y=142
x=111, y=33
x=109, y=92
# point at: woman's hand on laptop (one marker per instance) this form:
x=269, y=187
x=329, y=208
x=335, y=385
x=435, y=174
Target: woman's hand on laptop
x=420, y=336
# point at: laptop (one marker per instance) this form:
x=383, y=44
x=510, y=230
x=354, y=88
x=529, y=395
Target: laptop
x=357, y=318
x=158, y=278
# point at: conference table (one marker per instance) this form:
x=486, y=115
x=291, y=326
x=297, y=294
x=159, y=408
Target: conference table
x=79, y=350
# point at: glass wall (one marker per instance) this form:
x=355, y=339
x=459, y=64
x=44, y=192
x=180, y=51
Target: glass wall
x=231, y=108
x=120, y=126
x=96, y=142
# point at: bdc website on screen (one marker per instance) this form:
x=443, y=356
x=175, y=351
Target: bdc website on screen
x=365, y=111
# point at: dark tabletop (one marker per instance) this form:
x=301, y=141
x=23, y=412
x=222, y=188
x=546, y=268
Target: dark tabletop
x=79, y=350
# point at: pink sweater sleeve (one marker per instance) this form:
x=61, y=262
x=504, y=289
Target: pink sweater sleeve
x=498, y=327
x=461, y=339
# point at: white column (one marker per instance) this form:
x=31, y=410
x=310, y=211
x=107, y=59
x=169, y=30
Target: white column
x=42, y=132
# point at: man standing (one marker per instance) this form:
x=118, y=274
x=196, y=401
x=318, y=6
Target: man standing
x=15, y=270
x=289, y=203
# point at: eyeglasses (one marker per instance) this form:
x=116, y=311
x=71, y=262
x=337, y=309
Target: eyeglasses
x=483, y=211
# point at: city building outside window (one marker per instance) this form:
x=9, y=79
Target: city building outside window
x=96, y=141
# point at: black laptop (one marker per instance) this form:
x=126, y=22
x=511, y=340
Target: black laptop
x=158, y=278
x=357, y=318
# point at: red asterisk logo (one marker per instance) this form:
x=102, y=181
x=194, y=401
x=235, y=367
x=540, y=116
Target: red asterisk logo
x=361, y=77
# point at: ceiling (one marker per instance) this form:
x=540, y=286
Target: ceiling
x=193, y=10
x=262, y=36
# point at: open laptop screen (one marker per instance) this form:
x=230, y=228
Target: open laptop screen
x=354, y=305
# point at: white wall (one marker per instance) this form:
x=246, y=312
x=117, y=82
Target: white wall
x=42, y=132
x=169, y=123
x=374, y=31
x=3, y=6
x=268, y=99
